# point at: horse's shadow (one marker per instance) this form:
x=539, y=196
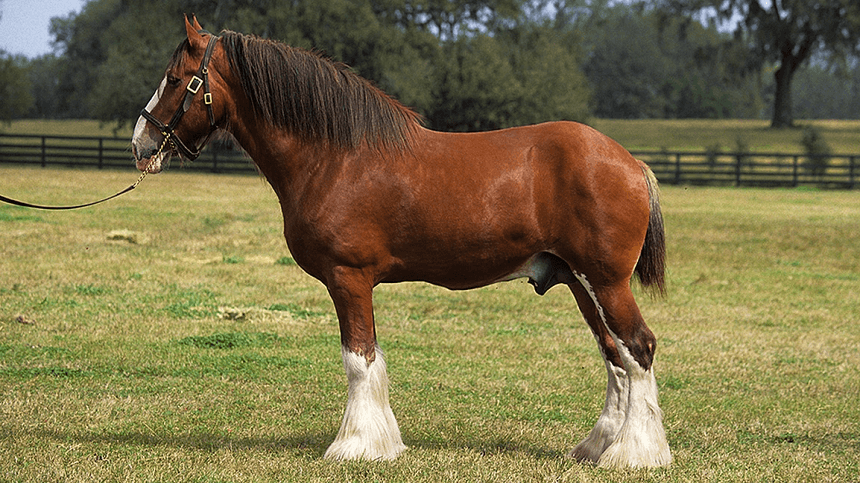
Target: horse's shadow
x=498, y=446
x=312, y=444
x=315, y=444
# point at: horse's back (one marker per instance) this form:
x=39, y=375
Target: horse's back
x=563, y=146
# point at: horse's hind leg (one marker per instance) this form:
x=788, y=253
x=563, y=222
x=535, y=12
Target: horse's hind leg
x=615, y=409
x=641, y=439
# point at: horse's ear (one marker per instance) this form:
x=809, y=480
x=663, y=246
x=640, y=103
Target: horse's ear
x=195, y=38
x=196, y=23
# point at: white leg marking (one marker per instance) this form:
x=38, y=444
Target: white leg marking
x=641, y=441
x=369, y=430
x=610, y=421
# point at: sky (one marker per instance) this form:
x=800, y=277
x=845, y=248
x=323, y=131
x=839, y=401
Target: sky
x=25, y=24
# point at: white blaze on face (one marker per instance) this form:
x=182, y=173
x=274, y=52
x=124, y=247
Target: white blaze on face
x=141, y=122
x=142, y=142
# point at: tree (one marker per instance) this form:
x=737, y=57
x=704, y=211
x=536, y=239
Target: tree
x=547, y=63
x=450, y=19
x=463, y=64
x=784, y=32
x=114, y=56
x=626, y=68
x=825, y=92
x=477, y=89
x=135, y=55
x=15, y=97
x=523, y=71
x=710, y=76
x=644, y=64
x=84, y=49
x=45, y=74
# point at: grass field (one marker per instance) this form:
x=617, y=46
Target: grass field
x=843, y=137
x=62, y=127
x=671, y=134
x=167, y=336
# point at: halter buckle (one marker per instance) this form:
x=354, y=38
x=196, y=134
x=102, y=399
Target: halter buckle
x=207, y=98
x=194, y=84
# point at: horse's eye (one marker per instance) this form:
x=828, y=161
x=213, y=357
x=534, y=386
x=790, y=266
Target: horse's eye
x=173, y=81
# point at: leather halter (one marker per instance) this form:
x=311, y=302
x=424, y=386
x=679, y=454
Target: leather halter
x=197, y=81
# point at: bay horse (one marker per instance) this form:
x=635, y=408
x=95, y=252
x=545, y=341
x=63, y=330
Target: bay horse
x=370, y=196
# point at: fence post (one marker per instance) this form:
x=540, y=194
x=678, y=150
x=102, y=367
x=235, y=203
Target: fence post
x=851, y=172
x=738, y=171
x=44, y=161
x=677, y=168
x=101, y=151
x=794, y=180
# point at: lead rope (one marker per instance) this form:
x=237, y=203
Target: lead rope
x=133, y=186
x=146, y=168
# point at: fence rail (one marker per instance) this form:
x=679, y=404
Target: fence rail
x=670, y=167
x=106, y=153
x=754, y=169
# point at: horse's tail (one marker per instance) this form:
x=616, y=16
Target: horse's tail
x=651, y=267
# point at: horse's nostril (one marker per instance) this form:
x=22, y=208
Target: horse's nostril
x=142, y=153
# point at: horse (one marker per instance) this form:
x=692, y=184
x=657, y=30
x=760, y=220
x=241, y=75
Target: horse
x=370, y=196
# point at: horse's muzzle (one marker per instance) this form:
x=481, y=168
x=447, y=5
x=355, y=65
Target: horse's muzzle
x=151, y=160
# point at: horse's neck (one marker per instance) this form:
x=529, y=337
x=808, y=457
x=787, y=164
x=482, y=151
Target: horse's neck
x=286, y=162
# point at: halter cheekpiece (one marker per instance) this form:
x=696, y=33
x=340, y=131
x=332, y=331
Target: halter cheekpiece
x=201, y=79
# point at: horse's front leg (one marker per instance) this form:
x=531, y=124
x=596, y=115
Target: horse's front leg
x=369, y=430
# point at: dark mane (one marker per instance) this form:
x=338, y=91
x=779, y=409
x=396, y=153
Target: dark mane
x=176, y=58
x=314, y=98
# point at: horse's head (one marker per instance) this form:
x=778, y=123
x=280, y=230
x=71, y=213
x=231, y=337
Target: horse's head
x=182, y=114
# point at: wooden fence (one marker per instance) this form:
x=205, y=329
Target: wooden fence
x=107, y=153
x=670, y=167
x=753, y=169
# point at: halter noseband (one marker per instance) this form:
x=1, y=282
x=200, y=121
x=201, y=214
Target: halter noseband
x=197, y=81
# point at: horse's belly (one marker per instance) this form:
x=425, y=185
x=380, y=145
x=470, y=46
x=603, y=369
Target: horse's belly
x=462, y=273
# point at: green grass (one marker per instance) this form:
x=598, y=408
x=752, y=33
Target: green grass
x=60, y=127
x=162, y=360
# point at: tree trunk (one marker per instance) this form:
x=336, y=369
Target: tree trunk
x=782, y=116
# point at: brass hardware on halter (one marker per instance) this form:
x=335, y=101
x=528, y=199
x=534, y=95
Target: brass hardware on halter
x=194, y=84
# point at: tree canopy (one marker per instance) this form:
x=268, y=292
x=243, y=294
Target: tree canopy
x=15, y=97
x=786, y=33
x=464, y=65
x=480, y=64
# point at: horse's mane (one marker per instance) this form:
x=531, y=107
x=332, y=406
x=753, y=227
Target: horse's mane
x=316, y=99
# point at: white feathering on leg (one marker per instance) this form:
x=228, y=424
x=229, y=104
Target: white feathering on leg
x=641, y=442
x=609, y=423
x=369, y=429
